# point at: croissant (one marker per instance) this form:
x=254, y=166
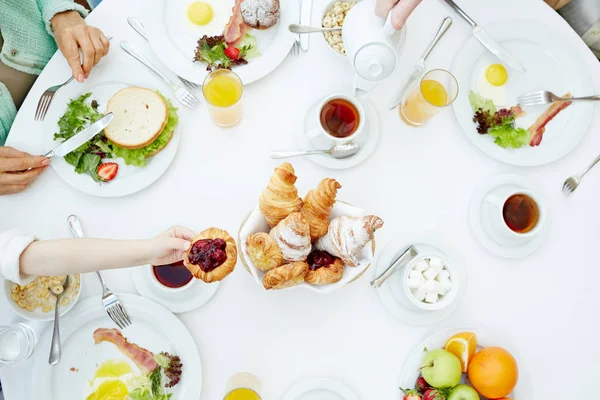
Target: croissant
x=323, y=268
x=317, y=206
x=280, y=198
x=285, y=276
x=263, y=251
x=292, y=235
x=347, y=236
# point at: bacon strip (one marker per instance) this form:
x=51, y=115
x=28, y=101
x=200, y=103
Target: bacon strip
x=236, y=28
x=143, y=358
x=536, y=131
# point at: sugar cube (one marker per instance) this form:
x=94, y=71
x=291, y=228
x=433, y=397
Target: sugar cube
x=442, y=275
x=419, y=293
x=431, y=297
x=430, y=273
x=446, y=283
x=415, y=275
x=436, y=264
x=440, y=289
x=414, y=283
x=421, y=266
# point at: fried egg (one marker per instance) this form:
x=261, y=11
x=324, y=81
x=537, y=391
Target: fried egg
x=491, y=84
x=114, y=380
x=207, y=17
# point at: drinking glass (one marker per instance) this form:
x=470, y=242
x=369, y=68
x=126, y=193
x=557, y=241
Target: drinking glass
x=17, y=342
x=438, y=89
x=242, y=386
x=222, y=90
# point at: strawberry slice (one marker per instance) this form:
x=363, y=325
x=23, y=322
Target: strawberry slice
x=233, y=53
x=108, y=171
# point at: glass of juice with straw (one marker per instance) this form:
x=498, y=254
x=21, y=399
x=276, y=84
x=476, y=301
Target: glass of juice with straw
x=222, y=90
x=438, y=89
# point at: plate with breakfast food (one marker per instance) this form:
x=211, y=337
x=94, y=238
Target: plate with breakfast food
x=35, y=301
x=153, y=358
x=131, y=153
x=318, y=242
x=464, y=363
x=193, y=37
x=486, y=106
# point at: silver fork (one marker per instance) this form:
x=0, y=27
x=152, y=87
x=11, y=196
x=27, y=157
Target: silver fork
x=544, y=97
x=112, y=304
x=46, y=99
x=295, y=50
x=183, y=95
x=137, y=26
x=573, y=182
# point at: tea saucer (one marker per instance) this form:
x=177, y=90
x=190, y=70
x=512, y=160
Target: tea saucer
x=483, y=230
x=391, y=293
x=367, y=140
x=186, y=299
x=320, y=389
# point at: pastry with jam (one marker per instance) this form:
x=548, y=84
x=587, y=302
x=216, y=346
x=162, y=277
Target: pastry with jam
x=212, y=255
x=323, y=268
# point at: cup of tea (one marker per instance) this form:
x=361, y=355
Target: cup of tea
x=340, y=118
x=516, y=214
x=170, y=278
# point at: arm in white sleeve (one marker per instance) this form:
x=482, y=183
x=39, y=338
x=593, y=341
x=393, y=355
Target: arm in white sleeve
x=12, y=245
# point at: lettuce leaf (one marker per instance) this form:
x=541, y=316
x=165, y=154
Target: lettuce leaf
x=507, y=135
x=478, y=102
x=138, y=157
x=248, y=46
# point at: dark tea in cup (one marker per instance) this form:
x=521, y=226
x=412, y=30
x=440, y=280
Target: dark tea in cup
x=340, y=118
x=173, y=276
x=521, y=213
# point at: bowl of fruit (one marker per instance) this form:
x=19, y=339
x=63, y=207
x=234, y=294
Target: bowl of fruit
x=463, y=364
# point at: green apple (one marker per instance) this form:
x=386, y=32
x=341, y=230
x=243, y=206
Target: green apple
x=463, y=392
x=441, y=369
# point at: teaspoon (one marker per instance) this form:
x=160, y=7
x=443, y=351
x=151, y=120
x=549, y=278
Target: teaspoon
x=339, y=151
x=55, y=349
x=295, y=28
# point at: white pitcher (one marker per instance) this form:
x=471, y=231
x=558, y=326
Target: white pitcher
x=371, y=45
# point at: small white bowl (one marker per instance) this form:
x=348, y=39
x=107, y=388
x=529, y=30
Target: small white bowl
x=444, y=300
x=327, y=8
x=37, y=314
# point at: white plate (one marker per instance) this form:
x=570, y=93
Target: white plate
x=481, y=226
x=192, y=296
x=153, y=327
x=366, y=140
x=410, y=370
x=172, y=41
x=320, y=389
x=129, y=179
x=552, y=64
x=391, y=293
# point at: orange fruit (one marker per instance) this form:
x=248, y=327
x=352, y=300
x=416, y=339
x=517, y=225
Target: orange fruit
x=463, y=345
x=493, y=372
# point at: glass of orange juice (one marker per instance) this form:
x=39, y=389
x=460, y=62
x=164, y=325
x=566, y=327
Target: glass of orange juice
x=438, y=89
x=222, y=91
x=242, y=386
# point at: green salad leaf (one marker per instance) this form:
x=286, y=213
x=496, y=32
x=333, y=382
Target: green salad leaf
x=507, y=135
x=478, y=102
x=138, y=157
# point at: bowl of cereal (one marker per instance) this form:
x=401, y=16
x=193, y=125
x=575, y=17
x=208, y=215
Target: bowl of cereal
x=333, y=17
x=34, y=301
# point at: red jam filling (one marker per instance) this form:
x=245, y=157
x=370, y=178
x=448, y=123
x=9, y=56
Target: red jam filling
x=318, y=259
x=208, y=254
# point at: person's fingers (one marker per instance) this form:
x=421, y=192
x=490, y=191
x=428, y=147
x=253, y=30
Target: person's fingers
x=178, y=245
x=12, y=189
x=71, y=53
x=402, y=11
x=20, y=178
x=383, y=7
x=7, y=151
x=87, y=50
x=98, y=46
x=23, y=163
x=105, y=41
x=183, y=232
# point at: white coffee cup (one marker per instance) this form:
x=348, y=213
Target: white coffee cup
x=497, y=199
x=321, y=138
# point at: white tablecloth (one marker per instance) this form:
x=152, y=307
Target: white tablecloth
x=417, y=179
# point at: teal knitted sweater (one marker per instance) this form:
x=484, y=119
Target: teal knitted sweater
x=28, y=43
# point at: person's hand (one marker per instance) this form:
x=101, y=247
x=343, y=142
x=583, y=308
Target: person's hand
x=72, y=34
x=170, y=246
x=19, y=169
x=400, y=9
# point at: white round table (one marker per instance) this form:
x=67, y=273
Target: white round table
x=417, y=179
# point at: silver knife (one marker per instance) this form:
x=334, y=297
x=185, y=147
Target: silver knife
x=418, y=69
x=305, y=19
x=487, y=41
x=73, y=143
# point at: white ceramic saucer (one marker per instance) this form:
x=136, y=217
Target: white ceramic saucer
x=366, y=140
x=481, y=226
x=391, y=293
x=193, y=296
x=320, y=389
